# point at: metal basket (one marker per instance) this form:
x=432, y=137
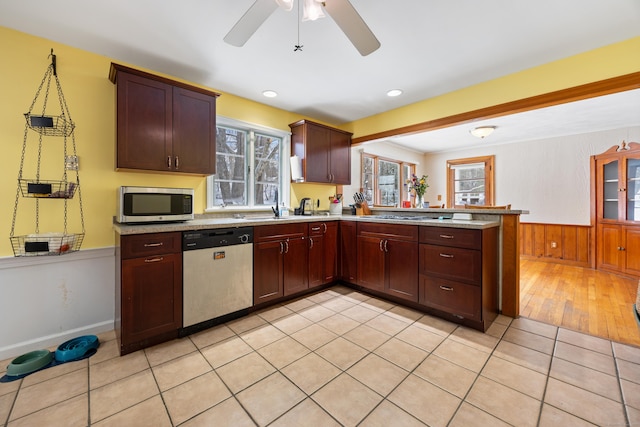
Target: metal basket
x=46, y=244
x=50, y=125
x=47, y=189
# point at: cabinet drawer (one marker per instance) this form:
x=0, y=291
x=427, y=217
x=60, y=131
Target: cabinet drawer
x=456, y=298
x=278, y=232
x=456, y=237
x=451, y=263
x=142, y=245
x=384, y=231
x=317, y=228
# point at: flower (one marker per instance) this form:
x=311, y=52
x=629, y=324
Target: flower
x=419, y=185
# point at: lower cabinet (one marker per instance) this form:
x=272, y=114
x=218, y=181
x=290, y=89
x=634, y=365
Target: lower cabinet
x=280, y=261
x=619, y=248
x=388, y=259
x=149, y=295
x=348, y=251
x=323, y=253
x=458, y=274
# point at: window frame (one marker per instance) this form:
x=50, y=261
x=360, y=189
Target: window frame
x=489, y=193
x=285, y=173
x=404, y=192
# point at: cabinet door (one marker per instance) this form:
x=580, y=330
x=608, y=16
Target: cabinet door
x=316, y=261
x=318, y=147
x=371, y=265
x=402, y=269
x=144, y=123
x=631, y=178
x=194, y=132
x=609, y=255
x=330, y=252
x=296, y=260
x=348, y=252
x=632, y=250
x=340, y=158
x=268, y=271
x=151, y=297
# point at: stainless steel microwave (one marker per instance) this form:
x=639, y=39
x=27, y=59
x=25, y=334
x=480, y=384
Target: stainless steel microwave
x=152, y=204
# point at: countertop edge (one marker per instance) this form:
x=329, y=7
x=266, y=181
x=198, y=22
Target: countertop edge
x=213, y=223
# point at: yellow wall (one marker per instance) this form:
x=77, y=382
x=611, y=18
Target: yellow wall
x=90, y=97
x=599, y=64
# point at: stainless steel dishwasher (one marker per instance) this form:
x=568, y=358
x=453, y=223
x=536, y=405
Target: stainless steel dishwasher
x=217, y=273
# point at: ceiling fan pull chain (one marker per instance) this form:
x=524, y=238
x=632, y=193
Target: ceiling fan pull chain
x=298, y=47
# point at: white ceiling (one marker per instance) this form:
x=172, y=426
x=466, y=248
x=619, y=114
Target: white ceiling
x=428, y=48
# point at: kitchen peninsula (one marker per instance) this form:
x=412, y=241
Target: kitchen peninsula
x=462, y=270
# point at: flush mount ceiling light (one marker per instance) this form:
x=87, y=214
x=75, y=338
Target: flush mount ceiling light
x=394, y=92
x=270, y=93
x=482, y=131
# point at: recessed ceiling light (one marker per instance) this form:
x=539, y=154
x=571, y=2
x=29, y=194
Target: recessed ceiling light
x=270, y=93
x=394, y=92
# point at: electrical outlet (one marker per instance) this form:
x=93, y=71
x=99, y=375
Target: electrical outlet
x=554, y=245
x=439, y=197
x=71, y=163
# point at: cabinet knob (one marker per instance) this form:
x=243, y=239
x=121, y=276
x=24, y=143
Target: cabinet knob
x=446, y=255
x=310, y=242
x=169, y=162
x=381, y=242
x=446, y=288
x=446, y=236
x=177, y=162
x=154, y=259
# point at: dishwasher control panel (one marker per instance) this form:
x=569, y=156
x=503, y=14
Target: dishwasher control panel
x=214, y=238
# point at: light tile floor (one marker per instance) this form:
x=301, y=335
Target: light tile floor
x=339, y=357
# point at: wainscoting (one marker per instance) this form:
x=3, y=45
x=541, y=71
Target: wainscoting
x=47, y=300
x=559, y=243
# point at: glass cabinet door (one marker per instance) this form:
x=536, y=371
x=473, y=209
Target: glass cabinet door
x=633, y=189
x=610, y=190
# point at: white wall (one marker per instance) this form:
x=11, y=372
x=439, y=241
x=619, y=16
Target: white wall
x=382, y=149
x=549, y=177
x=47, y=300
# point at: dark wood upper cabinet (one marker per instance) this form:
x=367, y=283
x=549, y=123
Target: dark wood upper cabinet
x=163, y=125
x=325, y=152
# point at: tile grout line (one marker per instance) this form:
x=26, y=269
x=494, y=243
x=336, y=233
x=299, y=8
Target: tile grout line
x=623, y=397
x=546, y=381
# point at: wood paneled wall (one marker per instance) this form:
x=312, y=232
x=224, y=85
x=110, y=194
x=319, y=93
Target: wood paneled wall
x=562, y=243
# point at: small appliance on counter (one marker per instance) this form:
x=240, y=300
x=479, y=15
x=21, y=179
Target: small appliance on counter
x=306, y=207
x=153, y=204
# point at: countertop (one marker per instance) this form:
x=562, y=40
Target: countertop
x=216, y=221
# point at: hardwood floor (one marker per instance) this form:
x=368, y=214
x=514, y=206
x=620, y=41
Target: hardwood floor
x=581, y=299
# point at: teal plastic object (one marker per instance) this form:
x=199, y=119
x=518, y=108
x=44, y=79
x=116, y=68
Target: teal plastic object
x=29, y=362
x=77, y=348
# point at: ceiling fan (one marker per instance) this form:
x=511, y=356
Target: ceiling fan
x=342, y=12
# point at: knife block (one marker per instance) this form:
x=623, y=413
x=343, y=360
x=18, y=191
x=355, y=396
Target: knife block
x=363, y=209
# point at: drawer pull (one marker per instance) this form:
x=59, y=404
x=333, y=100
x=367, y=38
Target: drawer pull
x=446, y=288
x=153, y=245
x=154, y=259
x=315, y=228
x=446, y=255
x=447, y=236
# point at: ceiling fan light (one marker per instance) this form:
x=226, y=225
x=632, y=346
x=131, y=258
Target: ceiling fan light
x=482, y=131
x=312, y=10
x=285, y=4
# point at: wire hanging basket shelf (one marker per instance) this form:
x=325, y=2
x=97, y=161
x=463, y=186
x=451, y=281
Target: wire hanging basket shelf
x=50, y=125
x=47, y=189
x=40, y=244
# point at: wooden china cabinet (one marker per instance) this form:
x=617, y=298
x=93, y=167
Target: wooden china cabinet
x=616, y=188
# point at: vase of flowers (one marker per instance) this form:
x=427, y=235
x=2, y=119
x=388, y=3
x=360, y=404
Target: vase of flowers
x=419, y=187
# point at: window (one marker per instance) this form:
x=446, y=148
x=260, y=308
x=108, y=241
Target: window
x=249, y=166
x=470, y=182
x=382, y=180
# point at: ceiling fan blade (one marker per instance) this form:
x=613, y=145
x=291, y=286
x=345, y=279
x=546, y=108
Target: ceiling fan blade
x=250, y=22
x=352, y=25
